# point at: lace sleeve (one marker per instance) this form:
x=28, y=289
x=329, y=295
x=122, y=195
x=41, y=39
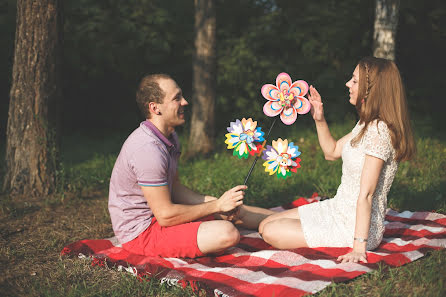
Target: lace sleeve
x=377, y=141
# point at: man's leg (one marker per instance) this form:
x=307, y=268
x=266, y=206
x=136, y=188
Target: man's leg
x=216, y=236
x=188, y=240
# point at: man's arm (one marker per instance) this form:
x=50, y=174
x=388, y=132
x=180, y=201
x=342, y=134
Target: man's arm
x=168, y=213
x=183, y=195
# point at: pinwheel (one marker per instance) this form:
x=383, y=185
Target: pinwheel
x=286, y=98
x=281, y=158
x=244, y=137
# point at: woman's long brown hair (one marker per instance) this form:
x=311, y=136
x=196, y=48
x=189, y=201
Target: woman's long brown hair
x=381, y=97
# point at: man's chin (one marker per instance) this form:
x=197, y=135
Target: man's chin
x=181, y=121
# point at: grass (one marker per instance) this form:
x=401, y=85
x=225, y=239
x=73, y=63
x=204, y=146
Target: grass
x=78, y=278
x=34, y=231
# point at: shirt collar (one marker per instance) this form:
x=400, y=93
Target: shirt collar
x=158, y=134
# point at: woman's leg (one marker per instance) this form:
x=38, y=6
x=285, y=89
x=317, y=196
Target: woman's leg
x=250, y=217
x=284, y=233
x=287, y=214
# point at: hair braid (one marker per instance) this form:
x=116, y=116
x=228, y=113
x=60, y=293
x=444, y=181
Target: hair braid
x=367, y=81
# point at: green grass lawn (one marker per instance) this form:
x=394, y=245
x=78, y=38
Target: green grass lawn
x=79, y=211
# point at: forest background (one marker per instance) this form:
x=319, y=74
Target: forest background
x=109, y=45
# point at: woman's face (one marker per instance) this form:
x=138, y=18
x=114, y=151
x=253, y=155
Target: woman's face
x=352, y=86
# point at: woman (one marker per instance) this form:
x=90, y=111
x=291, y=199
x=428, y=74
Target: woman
x=370, y=154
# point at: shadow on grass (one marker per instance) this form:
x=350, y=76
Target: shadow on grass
x=17, y=209
x=259, y=195
x=406, y=198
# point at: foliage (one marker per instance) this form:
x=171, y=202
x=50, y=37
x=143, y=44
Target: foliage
x=289, y=37
x=110, y=44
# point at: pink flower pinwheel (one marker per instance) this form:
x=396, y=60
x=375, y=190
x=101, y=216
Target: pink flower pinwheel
x=286, y=98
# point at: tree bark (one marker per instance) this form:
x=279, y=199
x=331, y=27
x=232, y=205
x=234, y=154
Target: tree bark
x=201, y=139
x=386, y=22
x=31, y=146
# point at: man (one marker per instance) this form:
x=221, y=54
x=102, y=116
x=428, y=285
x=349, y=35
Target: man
x=152, y=213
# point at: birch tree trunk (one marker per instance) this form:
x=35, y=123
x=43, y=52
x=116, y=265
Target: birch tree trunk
x=386, y=22
x=201, y=139
x=31, y=149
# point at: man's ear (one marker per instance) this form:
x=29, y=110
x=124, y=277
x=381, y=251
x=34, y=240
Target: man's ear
x=153, y=108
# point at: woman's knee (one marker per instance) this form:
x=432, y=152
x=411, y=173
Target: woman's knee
x=284, y=234
x=268, y=232
x=262, y=225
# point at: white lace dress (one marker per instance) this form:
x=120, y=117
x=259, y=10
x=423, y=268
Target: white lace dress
x=331, y=223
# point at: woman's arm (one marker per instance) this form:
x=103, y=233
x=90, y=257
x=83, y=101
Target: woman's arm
x=331, y=147
x=369, y=179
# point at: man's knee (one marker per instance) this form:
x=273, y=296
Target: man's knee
x=216, y=236
x=228, y=234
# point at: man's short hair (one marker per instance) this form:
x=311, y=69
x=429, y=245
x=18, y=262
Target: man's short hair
x=148, y=91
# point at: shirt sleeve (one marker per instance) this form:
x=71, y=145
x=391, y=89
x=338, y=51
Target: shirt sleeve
x=150, y=165
x=377, y=141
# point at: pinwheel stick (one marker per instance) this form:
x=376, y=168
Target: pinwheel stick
x=260, y=152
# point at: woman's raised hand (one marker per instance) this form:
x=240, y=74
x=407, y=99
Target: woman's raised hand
x=317, y=109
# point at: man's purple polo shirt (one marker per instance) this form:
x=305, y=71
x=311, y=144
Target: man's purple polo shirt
x=147, y=159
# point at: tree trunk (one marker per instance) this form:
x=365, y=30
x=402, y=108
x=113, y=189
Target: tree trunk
x=201, y=139
x=386, y=22
x=31, y=147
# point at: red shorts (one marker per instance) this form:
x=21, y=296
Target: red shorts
x=175, y=241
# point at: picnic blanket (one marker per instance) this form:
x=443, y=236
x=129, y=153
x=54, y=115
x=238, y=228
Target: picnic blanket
x=254, y=268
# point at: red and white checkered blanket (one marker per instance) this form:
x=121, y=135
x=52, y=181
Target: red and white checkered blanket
x=254, y=268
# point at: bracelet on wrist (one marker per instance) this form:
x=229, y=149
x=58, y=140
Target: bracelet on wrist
x=360, y=239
